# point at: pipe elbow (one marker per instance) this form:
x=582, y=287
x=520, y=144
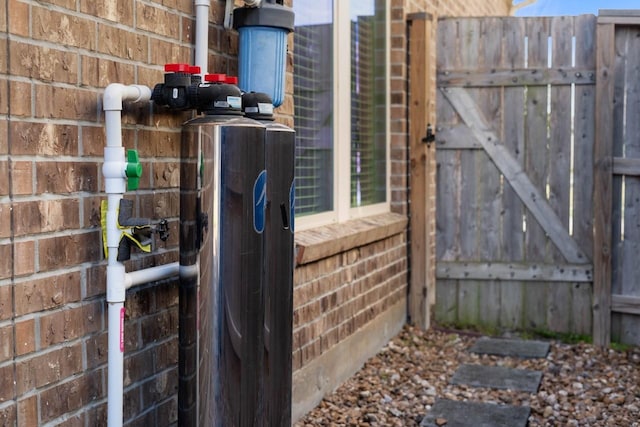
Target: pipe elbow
x=116, y=93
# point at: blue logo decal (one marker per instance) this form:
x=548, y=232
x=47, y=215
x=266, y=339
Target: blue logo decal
x=260, y=202
x=292, y=206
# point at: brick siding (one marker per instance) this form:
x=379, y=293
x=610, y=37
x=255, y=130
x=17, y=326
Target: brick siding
x=56, y=58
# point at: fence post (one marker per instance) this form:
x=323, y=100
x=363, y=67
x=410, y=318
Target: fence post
x=422, y=169
x=602, y=190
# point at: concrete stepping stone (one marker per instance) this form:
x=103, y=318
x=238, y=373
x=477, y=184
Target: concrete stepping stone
x=513, y=348
x=497, y=377
x=450, y=413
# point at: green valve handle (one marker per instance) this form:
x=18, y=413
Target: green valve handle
x=133, y=170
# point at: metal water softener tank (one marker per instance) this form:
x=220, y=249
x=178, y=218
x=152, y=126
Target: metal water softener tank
x=279, y=254
x=222, y=223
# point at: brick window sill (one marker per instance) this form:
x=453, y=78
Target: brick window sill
x=329, y=240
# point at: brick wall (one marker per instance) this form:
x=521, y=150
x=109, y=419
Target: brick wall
x=56, y=58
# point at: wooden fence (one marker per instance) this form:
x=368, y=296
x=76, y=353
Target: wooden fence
x=516, y=130
x=617, y=179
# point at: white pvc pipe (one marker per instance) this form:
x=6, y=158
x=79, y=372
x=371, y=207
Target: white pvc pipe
x=115, y=181
x=151, y=274
x=202, y=35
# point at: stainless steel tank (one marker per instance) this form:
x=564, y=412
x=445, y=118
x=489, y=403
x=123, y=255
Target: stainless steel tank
x=279, y=264
x=222, y=221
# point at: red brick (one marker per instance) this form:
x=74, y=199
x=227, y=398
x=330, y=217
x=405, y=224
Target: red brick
x=133, y=405
x=48, y=368
x=137, y=367
x=63, y=29
x=24, y=258
x=19, y=22
x=67, y=4
x=4, y=125
x=58, y=252
x=160, y=387
x=22, y=178
x=163, y=52
x=8, y=415
x=6, y=298
x=20, y=98
x=166, y=355
x=132, y=340
x=188, y=30
x=93, y=140
x=44, y=294
x=69, y=324
x=122, y=43
x=61, y=178
x=46, y=216
x=168, y=411
x=159, y=144
x=7, y=383
x=66, y=103
x=97, y=415
x=120, y=11
x=3, y=18
x=25, y=337
x=6, y=342
x=158, y=21
x=43, y=63
x=28, y=411
x=4, y=176
x=96, y=280
x=159, y=326
x=96, y=348
x=99, y=72
x=167, y=294
x=43, y=139
x=70, y=396
x=3, y=51
x=151, y=76
x=160, y=204
x=139, y=303
x=92, y=214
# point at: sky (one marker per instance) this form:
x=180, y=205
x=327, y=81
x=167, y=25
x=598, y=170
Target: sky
x=574, y=7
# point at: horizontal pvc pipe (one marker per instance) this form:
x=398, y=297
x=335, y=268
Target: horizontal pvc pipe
x=151, y=274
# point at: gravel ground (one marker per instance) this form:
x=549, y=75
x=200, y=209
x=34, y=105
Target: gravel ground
x=581, y=384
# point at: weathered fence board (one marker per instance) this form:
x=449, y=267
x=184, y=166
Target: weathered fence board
x=626, y=327
x=512, y=292
x=505, y=180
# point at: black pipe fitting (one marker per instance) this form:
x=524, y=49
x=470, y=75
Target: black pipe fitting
x=173, y=93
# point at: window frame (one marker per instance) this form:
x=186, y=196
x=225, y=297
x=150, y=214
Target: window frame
x=342, y=210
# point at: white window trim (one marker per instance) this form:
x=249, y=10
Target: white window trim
x=343, y=211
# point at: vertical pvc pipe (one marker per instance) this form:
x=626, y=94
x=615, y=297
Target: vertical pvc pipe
x=113, y=171
x=202, y=35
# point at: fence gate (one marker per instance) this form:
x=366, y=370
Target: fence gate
x=515, y=141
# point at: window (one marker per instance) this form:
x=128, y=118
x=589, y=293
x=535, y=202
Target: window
x=341, y=109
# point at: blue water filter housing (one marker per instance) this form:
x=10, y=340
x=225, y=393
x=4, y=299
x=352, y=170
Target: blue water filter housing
x=262, y=61
x=262, y=52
